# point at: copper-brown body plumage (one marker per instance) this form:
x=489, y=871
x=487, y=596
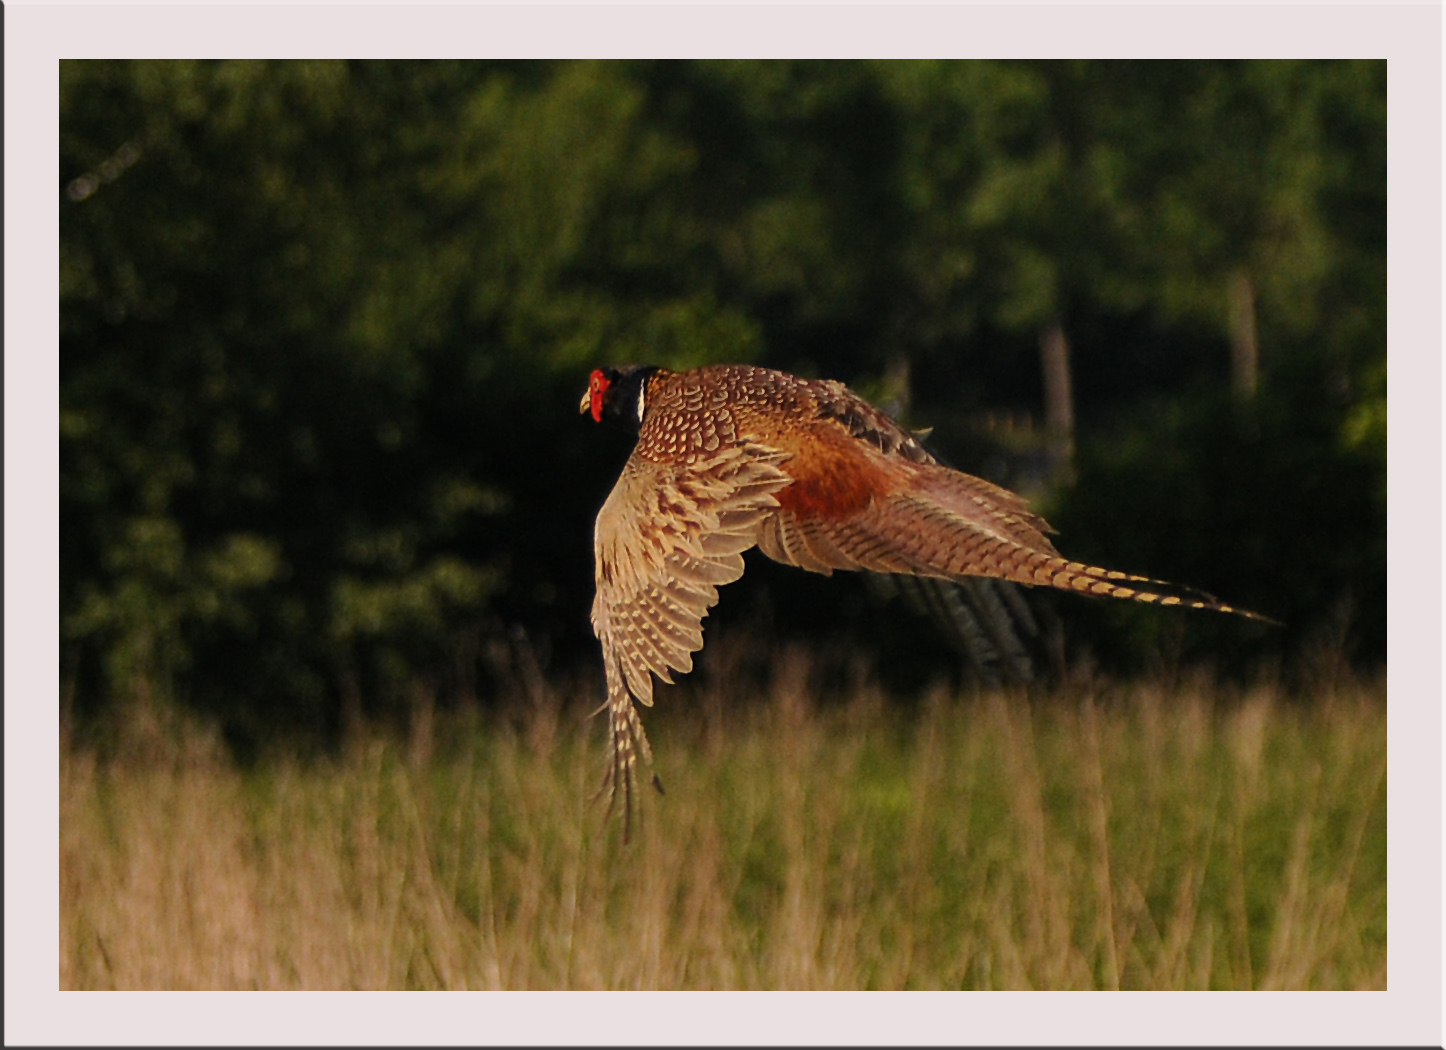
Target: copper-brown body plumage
x=732, y=456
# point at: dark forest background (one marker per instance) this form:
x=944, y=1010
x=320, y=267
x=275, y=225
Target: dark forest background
x=324, y=327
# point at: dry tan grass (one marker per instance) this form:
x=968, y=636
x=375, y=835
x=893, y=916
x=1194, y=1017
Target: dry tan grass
x=1118, y=837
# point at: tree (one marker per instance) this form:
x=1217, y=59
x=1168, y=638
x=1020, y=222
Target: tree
x=323, y=324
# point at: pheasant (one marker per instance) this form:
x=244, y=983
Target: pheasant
x=731, y=457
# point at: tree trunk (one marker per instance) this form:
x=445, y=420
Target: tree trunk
x=1244, y=350
x=1058, y=396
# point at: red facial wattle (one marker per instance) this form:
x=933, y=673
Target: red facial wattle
x=597, y=388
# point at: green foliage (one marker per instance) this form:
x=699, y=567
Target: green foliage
x=1176, y=486
x=158, y=587
x=323, y=324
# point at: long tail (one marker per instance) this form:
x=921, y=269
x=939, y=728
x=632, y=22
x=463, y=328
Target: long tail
x=956, y=527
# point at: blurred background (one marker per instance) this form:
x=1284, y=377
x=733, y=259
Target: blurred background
x=324, y=327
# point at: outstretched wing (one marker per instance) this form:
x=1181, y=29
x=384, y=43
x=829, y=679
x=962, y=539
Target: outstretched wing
x=666, y=539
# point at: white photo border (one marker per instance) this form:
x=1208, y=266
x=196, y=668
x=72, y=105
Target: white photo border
x=1409, y=36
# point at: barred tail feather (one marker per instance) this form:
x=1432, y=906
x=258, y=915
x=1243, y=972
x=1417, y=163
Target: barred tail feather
x=1090, y=579
x=963, y=543
x=963, y=535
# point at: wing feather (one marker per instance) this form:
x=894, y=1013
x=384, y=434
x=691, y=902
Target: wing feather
x=668, y=536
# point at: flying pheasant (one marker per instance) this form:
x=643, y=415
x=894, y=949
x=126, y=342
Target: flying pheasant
x=730, y=457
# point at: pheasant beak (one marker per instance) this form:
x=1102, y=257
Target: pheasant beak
x=586, y=403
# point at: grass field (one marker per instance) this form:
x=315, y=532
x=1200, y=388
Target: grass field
x=1131, y=836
